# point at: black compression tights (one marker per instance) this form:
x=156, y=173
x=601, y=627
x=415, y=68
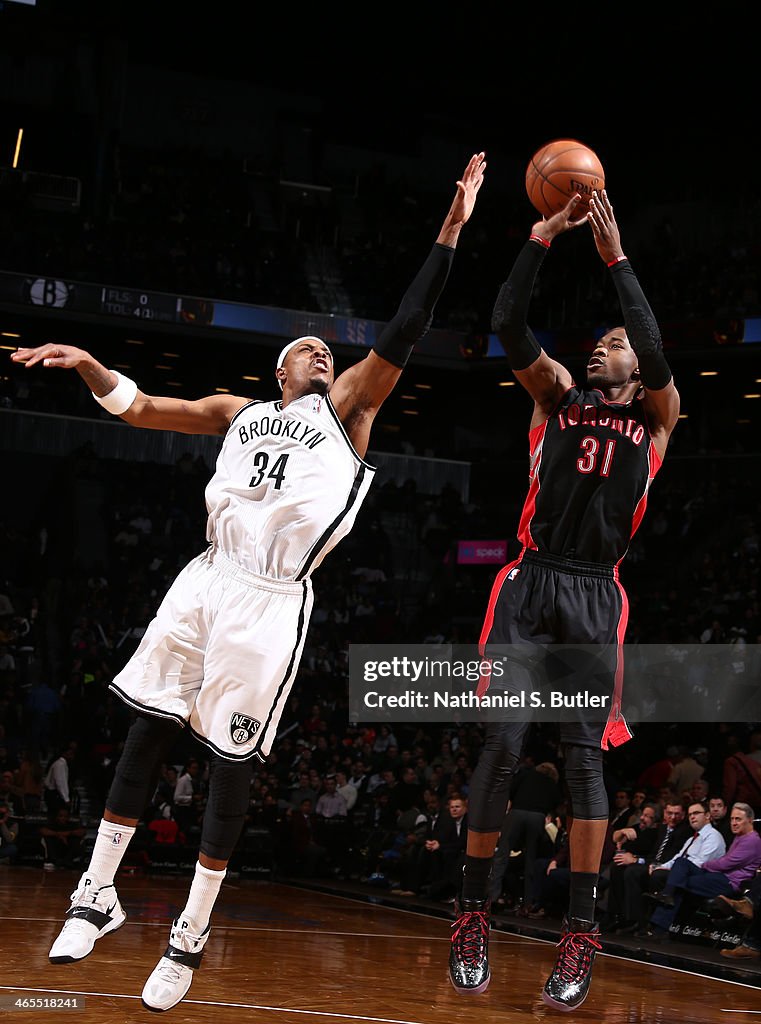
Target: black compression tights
x=229, y=788
x=490, y=783
x=148, y=743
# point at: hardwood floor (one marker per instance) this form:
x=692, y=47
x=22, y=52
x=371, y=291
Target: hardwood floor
x=280, y=953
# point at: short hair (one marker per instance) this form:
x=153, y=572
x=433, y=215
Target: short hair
x=746, y=809
x=657, y=811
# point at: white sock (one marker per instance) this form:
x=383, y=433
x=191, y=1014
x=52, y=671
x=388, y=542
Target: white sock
x=202, y=897
x=110, y=846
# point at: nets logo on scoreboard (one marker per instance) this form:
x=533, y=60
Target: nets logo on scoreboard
x=49, y=292
x=481, y=552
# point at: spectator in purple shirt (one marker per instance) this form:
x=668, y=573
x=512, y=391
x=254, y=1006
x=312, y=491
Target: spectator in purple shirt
x=721, y=876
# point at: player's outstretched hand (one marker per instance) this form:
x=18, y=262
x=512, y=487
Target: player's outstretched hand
x=564, y=220
x=604, y=227
x=467, y=188
x=65, y=357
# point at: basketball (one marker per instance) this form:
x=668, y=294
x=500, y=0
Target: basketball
x=558, y=170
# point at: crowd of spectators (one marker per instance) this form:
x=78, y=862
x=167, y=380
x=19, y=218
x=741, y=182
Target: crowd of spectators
x=358, y=799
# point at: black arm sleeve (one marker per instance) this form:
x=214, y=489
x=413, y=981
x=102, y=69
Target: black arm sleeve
x=641, y=328
x=415, y=314
x=508, y=319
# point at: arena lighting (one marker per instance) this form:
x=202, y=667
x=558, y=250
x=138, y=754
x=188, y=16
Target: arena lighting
x=9, y=334
x=19, y=137
x=412, y=398
x=173, y=384
x=8, y=348
x=424, y=387
x=158, y=366
x=171, y=355
x=122, y=366
x=224, y=391
x=245, y=377
x=682, y=415
x=507, y=383
x=709, y=373
x=752, y=396
x=410, y=412
x=134, y=341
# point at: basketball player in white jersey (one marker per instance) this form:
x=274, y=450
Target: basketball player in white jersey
x=222, y=652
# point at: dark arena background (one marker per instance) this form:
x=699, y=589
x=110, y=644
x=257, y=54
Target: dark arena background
x=182, y=191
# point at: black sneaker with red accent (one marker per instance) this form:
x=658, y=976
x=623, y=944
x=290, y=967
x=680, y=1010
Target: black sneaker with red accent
x=469, y=952
x=568, y=985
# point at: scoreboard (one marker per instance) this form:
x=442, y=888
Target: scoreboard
x=50, y=293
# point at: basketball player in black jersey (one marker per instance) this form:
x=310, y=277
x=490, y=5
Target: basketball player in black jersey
x=594, y=450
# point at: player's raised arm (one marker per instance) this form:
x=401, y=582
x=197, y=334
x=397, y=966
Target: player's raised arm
x=361, y=390
x=121, y=396
x=661, y=399
x=544, y=378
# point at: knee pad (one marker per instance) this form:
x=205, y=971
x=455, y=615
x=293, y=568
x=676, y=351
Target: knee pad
x=148, y=742
x=584, y=778
x=490, y=783
x=229, y=786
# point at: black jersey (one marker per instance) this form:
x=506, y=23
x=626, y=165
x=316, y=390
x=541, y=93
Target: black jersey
x=592, y=463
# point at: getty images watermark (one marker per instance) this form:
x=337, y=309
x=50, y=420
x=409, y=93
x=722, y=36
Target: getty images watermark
x=553, y=683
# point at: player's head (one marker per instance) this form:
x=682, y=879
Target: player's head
x=613, y=362
x=306, y=364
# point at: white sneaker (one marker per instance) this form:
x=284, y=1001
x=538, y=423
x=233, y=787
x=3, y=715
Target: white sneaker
x=173, y=974
x=93, y=912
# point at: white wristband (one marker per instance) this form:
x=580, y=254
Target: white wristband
x=121, y=397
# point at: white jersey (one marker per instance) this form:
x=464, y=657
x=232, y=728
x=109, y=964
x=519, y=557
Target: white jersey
x=287, y=487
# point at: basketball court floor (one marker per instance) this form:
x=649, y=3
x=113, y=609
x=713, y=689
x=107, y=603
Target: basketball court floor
x=284, y=954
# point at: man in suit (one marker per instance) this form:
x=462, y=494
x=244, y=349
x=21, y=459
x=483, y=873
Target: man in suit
x=635, y=848
x=447, y=845
x=719, y=812
x=621, y=811
x=637, y=874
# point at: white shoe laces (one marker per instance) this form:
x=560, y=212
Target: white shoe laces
x=77, y=926
x=170, y=972
x=84, y=894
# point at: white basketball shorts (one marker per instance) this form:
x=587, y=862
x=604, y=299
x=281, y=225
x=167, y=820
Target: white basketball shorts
x=221, y=655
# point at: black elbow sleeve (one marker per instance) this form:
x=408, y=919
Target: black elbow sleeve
x=400, y=335
x=654, y=370
x=641, y=328
x=515, y=336
x=415, y=314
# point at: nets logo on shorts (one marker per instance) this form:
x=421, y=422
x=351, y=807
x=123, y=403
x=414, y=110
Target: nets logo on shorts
x=243, y=727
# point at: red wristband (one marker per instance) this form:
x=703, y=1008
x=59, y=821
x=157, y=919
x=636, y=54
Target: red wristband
x=541, y=241
x=618, y=259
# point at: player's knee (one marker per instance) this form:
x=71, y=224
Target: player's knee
x=137, y=770
x=229, y=783
x=490, y=783
x=584, y=778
